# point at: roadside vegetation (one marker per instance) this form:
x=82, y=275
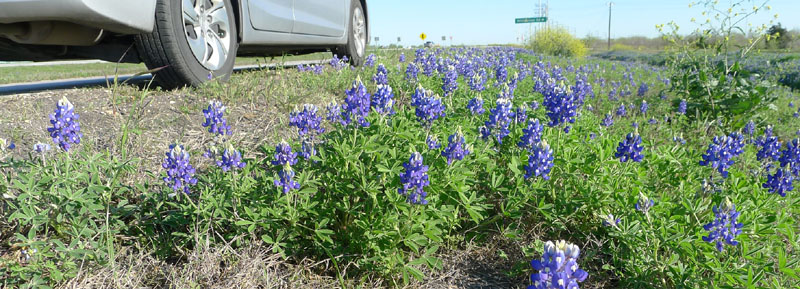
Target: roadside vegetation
x=450, y=167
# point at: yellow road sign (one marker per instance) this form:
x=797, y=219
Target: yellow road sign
x=423, y=36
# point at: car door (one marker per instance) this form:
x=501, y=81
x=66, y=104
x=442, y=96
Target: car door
x=272, y=15
x=320, y=17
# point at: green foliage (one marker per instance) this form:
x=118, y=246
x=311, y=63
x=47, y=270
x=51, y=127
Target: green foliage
x=67, y=212
x=707, y=67
x=557, y=41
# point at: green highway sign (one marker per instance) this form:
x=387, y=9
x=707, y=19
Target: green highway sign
x=530, y=20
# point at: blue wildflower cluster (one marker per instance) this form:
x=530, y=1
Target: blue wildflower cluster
x=428, y=107
x=180, y=173
x=66, y=130
x=750, y=128
x=433, y=142
x=370, y=60
x=356, y=105
x=412, y=71
x=558, y=267
x=540, y=161
x=630, y=148
x=780, y=182
x=621, y=112
x=215, y=119
x=682, y=107
x=450, y=80
x=643, y=108
x=307, y=122
x=531, y=135
x=414, y=180
x=383, y=100
x=478, y=81
x=721, y=152
x=338, y=63
x=402, y=57
x=285, y=158
x=231, y=159
x=561, y=105
x=725, y=226
x=456, y=148
x=790, y=157
x=475, y=106
x=769, y=146
x=608, y=120
x=381, y=76
x=499, y=120
x=643, y=88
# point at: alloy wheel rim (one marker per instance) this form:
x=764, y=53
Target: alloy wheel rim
x=359, y=31
x=206, y=27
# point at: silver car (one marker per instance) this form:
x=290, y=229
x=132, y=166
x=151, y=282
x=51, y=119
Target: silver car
x=192, y=40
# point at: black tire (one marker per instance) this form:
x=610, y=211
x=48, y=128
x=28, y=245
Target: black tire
x=168, y=47
x=350, y=50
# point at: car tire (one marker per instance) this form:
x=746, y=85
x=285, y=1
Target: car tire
x=357, y=36
x=192, y=42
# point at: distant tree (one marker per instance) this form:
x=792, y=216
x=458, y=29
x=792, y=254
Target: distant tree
x=778, y=37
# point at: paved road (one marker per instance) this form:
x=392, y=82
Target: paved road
x=16, y=88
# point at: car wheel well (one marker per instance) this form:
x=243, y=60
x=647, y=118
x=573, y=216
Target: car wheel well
x=237, y=12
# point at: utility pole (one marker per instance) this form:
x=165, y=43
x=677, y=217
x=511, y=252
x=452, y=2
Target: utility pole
x=609, y=24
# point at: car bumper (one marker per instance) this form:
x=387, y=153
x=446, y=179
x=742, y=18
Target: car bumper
x=121, y=16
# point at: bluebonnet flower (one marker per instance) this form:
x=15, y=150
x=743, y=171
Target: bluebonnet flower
x=475, y=105
x=381, y=75
x=621, y=110
x=383, y=100
x=540, y=162
x=534, y=105
x=450, y=80
x=456, y=148
x=725, y=227
x=643, y=108
x=357, y=105
x=41, y=147
x=635, y=124
x=750, y=128
x=791, y=104
x=790, y=157
x=428, y=107
x=558, y=267
x=308, y=123
x=561, y=105
x=338, y=63
x=678, y=139
x=411, y=72
x=370, y=61
x=402, y=57
x=608, y=120
x=478, y=81
x=630, y=148
x=284, y=155
x=721, y=152
x=231, y=159
x=317, y=69
x=780, y=182
x=521, y=114
x=308, y=149
x=642, y=89
x=652, y=121
x=215, y=118
x=334, y=113
x=66, y=130
x=301, y=68
x=180, y=173
x=433, y=142
x=501, y=74
x=644, y=204
x=414, y=180
x=286, y=180
x=769, y=146
x=531, y=135
x=610, y=221
x=682, y=107
x=498, y=122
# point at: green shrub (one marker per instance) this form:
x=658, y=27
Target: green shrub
x=557, y=41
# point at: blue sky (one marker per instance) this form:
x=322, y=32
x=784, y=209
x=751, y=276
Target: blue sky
x=487, y=21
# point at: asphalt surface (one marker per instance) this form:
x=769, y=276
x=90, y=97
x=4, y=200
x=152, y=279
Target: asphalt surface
x=17, y=88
